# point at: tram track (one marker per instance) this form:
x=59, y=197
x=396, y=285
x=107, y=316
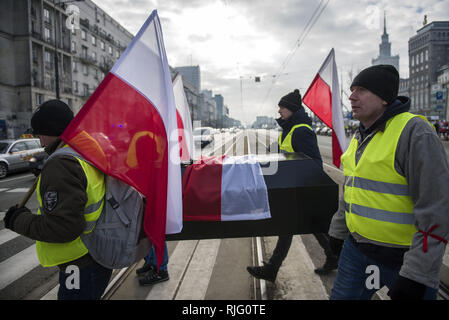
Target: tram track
x=259, y=285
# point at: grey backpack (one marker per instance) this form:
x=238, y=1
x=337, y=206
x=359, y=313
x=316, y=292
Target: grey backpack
x=117, y=240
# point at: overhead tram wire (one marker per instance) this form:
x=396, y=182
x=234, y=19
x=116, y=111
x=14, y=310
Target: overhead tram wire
x=309, y=25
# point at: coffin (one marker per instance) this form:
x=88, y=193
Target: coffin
x=301, y=196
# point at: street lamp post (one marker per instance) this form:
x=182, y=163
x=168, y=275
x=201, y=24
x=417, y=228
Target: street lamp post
x=56, y=57
x=56, y=46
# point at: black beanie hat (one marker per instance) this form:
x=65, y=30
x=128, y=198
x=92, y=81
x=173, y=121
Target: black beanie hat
x=382, y=80
x=51, y=118
x=291, y=101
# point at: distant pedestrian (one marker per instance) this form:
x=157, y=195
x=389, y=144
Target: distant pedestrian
x=394, y=211
x=437, y=127
x=297, y=136
x=70, y=192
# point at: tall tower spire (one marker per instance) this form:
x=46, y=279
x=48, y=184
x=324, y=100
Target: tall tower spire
x=385, y=23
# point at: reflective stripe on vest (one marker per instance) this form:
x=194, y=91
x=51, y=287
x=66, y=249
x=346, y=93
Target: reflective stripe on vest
x=286, y=145
x=378, y=205
x=52, y=254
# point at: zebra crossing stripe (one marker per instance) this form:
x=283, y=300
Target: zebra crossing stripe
x=177, y=264
x=18, y=265
x=198, y=275
x=18, y=190
x=6, y=235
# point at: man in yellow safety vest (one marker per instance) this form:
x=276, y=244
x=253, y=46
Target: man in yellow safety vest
x=393, y=216
x=297, y=136
x=70, y=193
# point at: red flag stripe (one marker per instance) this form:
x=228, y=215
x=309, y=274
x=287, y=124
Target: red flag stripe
x=202, y=190
x=319, y=99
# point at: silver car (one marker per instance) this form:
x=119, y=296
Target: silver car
x=14, y=154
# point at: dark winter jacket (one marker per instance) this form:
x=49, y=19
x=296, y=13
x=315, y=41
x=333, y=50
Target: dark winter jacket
x=421, y=159
x=65, y=176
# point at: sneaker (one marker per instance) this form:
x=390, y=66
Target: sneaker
x=153, y=277
x=267, y=272
x=330, y=264
x=145, y=269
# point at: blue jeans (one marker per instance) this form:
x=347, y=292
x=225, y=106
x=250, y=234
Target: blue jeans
x=86, y=283
x=150, y=258
x=353, y=281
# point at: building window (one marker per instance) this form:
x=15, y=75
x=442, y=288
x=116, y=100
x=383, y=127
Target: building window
x=85, y=69
x=84, y=52
x=94, y=56
x=39, y=99
x=75, y=86
x=47, y=34
x=117, y=54
x=102, y=45
x=74, y=66
x=427, y=55
x=83, y=35
x=94, y=40
x=85, y=89
x=73, y=46
x=47, y=57
x=110, y=50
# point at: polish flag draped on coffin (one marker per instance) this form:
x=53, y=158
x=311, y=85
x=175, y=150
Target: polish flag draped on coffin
x=223, y=188
x=125, y=130
x=184, y=120
x=323, y=98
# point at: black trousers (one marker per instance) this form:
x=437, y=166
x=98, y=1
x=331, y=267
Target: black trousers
x=283, y=245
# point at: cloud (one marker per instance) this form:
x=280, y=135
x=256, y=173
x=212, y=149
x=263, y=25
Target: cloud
x=235, y=40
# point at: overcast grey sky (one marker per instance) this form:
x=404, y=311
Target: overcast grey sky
x=235, y=40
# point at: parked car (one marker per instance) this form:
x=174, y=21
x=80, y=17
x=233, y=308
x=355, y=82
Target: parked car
x=202, y=136
x=15, y=154
x=36, y=163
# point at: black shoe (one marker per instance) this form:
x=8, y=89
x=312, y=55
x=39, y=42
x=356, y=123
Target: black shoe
x=153, y=277
x=267, y=272
x=330, y=264
x=145, y=269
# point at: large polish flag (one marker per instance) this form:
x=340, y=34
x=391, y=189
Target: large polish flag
x=323, y=98
x=184, y=120
x=125, y=129
x=224, y=188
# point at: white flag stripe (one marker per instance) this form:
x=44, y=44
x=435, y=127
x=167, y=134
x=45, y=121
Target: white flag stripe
x=244, y=193
x=143, y=61
x=183, y=108
x=337, y=112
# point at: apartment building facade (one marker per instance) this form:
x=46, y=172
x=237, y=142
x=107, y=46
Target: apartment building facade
x=87, y=42
x=428, y=52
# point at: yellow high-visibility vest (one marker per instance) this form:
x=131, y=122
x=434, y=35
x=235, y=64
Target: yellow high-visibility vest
x=378, y=205
x=52, y=254
x=286, y=145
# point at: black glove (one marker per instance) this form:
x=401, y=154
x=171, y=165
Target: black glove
x=336, y=245
x=12, y=214
x=406, y=289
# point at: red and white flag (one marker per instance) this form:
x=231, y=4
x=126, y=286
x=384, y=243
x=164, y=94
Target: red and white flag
x=223, y=188
x=323, y=98
x=184, y=120
x=126, y=130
